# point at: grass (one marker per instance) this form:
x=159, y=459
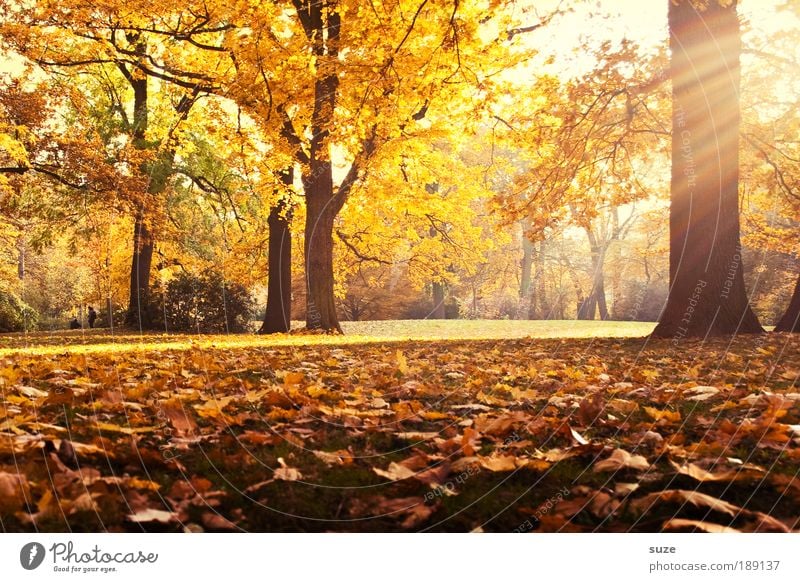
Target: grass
x=355, y=332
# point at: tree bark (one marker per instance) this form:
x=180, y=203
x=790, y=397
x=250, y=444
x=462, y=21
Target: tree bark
x=438, y=311
x=139, y=309
x=278, y=315
x=539, y=283
x=791, y=319
x=526, y=267
x=323, y=202
x=707, y=291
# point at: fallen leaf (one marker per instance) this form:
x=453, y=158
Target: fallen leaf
x=395, y=472
x=691, y=525
x=681, y=496
x=14, y=492
x=175, y=411
x=498, y=463
x=666, y=415
x=700, y=393
x=621, y=459
x=215, y=521
x=151, y=515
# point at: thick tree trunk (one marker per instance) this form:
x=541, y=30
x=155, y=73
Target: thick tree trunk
x=587, y=307
x=139, y=313
x=323, y=202
x=707, y=292
x=791, y=319
x=320, y=300
x=278, y=315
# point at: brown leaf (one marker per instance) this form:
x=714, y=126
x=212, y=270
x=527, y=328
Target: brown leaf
x=666, y=415
x=621, y=459
x=497, y=463
x=681, y=497
x=14, y=491
x=341, y=457
x=395, y=472
x=469, y=440
x=176, y=412
x=214, y=521
x=700, y=393
x=590, y=409
x=286, y=473
x=151, y=515
x=412, y=510
x=691, y=525
x=699, y=474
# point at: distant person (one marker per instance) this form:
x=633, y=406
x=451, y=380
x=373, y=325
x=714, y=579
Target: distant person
x=92, y=316
x=75, y=324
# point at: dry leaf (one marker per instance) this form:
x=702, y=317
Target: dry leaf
x=691, y=525
x=621, y=459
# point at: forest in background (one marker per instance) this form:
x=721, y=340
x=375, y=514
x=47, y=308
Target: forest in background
x=152, y=157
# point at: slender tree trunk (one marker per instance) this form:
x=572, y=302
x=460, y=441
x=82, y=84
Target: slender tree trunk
x=599, y=284
x=791, y=319
x=526, y=267
x=278, y=315
x=539, y=283
x=22, y=251
x=707, y=292
x=139, y=310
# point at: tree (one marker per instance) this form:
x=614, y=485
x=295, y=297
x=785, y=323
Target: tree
x=707, y=293
x=278, y=314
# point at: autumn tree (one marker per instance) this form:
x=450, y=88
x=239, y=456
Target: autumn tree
x=707, y=290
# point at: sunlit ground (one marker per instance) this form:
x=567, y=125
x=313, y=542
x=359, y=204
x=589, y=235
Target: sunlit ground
x=102, y=340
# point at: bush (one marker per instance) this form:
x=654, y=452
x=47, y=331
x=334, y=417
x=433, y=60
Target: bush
x=15, y=315
x=205, y=304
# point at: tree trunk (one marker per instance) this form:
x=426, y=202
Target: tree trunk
x=707, y=292
x=320, y=301
x=587, y=307
x=791, y=319
x=539, y=283
x=599, y=283
x=526, y=267
x=139, y=310
x=438, y=301
x=322, y=201
x=278, y=315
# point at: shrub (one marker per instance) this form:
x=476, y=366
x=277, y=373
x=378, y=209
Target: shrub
x=205, y=304
x=16, y=315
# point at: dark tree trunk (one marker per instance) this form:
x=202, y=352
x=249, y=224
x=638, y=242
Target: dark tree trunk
x=323, y=201
x=22, y=250
x=587, y=307
x=139, y=309
x=598, y=294
x=277, y=318
x=320, y=301
x=438, y=311
x=791, y=319
x=707, y=292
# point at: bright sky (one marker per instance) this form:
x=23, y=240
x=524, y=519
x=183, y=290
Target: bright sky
x=642, y=21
